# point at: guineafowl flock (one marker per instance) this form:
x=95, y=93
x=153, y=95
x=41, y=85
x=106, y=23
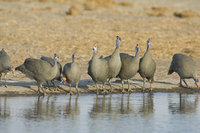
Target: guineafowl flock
x=100, y=69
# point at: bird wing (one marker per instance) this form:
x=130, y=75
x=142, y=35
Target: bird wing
x=48, y=59
x=36, y=66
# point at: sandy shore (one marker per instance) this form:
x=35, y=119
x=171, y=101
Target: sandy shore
x=32, y=28
x=18, y=84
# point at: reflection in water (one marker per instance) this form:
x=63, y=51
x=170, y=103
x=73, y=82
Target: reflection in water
x=144, y=112
x=101, y=106
x=147, y=106
x=183, y=104
x=70, y=110
x=106, y=107
x=125, y=105
x=4, y=109
x=46, y=108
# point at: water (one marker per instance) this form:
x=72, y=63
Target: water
x=138, y=113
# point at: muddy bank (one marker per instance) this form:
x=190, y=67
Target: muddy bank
x=19, y=84
x=16, y=88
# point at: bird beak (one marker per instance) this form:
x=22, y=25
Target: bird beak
x=198, y=84
x=64, y=79
x=13, y=70
x=93, y=46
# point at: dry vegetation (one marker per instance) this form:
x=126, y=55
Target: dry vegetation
x=186, y=14
x=33, y=28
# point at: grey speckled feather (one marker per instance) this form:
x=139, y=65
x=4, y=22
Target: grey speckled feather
x=114, y=62
x=5, y=64
x=51, y=61
x=130, y=67
x=185, y=66
x=39, y=70
x=147, y=66
x=72, y=72
x=98, y=69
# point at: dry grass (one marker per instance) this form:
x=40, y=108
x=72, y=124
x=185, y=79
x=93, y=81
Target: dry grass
x=56, y=1
x=35, y=28
x=186, y=14
x=159, y=11
x=95, y=4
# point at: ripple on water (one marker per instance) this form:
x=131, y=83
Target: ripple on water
x=157, y=112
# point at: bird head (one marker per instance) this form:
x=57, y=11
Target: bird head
x=11, y=69
x=60, y=79
x=56, y=57
x=148, y=43
x=94, y=48
x=74, y=55
x=118, y=39
x=197, y=83
x=64, y=79
x=137, y=48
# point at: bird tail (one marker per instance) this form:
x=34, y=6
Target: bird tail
x=22, y=69
x=170, y=70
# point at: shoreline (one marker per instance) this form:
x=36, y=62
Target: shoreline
x=86, y=86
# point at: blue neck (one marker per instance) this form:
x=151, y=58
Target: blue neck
x=55, y=60
x=137, y=51
x=73, y=58
x=117, y=43
x=195, y=80
x=95, y=51
x=148, y=46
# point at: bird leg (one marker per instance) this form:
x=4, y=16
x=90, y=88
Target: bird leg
x=150, y=87
x=5, y=84
x=0, y=80
x=55, y=87
x=77, y=89
x=43, y=91
x=48, y=86
x=129, y=89
x=180, y=84
x=111, y=89
x=70, y=90
x=104, y=89
x=39, y=87
x=185, y=82
x=122, y=82
x=143, y=88
x=96, y=86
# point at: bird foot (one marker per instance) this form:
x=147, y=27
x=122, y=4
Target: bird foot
x=40, y=93
x=47, y=88
x=123, y=91
x=130, y=90
x=143, y=90
x=44, y=94
x=104, y=92
x=111, y=90
x=180, y=85
x=70, y=93
x=150, y=89
x=55, y=88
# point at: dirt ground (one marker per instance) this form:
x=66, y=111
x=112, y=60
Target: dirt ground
x=32, y=28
